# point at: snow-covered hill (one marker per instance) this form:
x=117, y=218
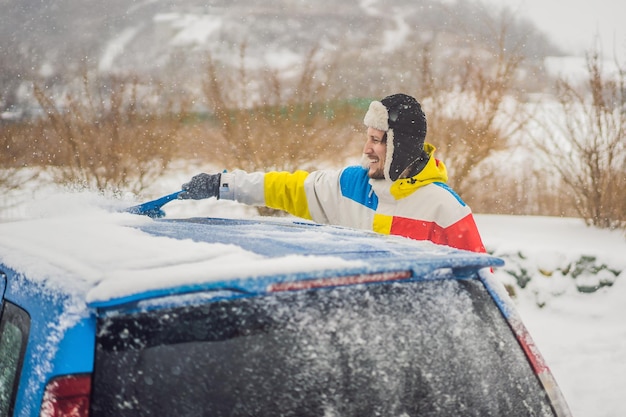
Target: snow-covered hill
x=54, y=41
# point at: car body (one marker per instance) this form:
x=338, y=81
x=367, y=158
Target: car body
x=278, y=318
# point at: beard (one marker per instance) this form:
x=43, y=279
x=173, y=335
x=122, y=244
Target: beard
x=378, y=174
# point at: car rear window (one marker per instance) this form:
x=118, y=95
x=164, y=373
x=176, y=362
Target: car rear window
x=429, y=348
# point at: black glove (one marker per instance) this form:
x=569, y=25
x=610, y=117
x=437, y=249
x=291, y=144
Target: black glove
x=201, y=186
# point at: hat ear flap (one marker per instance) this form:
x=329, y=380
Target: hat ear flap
x=389, y=157
x=403, y=149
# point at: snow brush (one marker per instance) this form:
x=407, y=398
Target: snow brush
x=153, y=208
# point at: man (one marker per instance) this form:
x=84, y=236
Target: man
x=400, y=189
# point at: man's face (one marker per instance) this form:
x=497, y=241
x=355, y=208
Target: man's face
x=374, y=153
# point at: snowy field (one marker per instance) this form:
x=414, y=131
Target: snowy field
x=581, y=335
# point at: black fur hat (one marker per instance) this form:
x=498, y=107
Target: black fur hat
x=402, y=118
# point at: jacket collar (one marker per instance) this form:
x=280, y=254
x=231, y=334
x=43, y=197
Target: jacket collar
x=434, y=171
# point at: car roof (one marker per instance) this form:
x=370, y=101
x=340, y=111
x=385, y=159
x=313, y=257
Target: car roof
x=181, y=256
x=276, y=238
x=360, y=252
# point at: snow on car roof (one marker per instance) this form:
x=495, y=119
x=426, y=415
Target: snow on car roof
x=103, y=254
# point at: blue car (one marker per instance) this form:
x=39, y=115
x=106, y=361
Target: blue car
x=279, y=318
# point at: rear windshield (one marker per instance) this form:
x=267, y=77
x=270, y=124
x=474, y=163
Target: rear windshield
x=430, y=348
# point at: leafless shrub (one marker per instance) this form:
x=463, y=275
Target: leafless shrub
x=529, y=191
x=267, y=120
x=13, y=160
x=586, y=144
x=473, y=118
x=109, y=134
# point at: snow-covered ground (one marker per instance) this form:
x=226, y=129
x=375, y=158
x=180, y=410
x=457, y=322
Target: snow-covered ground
x=581, y=335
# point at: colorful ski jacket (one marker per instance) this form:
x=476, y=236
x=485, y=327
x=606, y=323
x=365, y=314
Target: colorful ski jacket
x=422, y=207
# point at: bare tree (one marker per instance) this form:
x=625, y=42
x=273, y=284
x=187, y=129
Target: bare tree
x=586, y=143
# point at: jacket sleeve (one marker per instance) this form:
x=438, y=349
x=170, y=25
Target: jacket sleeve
x=285, y=191
x=313, y=196
x=278, y=190
x=243, y=187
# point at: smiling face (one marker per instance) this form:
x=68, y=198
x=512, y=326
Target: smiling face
x=374, y=153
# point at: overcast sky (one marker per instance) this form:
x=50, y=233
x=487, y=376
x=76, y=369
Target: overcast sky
x=573, y=24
